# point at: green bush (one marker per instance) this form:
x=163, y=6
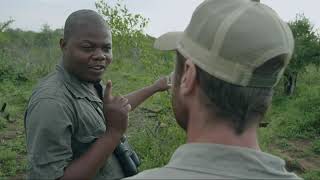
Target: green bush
x=8, y=162
x=3, y=123
x=316, y=147
x=311, y=175
x=298, y=116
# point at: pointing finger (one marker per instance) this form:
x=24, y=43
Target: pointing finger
x=108, y=91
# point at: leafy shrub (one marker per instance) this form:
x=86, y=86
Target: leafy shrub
x=3, y=123
x=316, y=147
x=311, y=175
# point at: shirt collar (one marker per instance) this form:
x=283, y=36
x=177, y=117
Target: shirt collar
x=226, y=160
x=77, y=88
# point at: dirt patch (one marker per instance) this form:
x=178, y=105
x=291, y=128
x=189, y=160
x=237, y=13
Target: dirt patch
x=311, y=163
x=19, y=177
x=310, y=160
x=11, y=132
x=298, y=156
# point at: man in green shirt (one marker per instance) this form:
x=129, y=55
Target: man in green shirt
x=229, y=58
x=73, y=124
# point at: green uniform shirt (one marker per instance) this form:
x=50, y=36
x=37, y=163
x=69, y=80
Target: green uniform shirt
x=64, y=117
x=213, y=161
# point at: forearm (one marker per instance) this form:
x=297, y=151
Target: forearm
x=89, y=163
x=137, y=97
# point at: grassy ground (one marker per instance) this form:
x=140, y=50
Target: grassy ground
x=12, y=139
x=293, y=132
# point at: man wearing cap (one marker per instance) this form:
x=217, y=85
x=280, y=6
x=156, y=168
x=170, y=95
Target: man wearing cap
x=73, y=126
x=229, y=58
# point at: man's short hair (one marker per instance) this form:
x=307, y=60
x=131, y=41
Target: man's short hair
x=79, y=18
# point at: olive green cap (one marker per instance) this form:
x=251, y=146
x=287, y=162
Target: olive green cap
x=230, y=39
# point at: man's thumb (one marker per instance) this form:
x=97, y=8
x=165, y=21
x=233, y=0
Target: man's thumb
x=108, y=91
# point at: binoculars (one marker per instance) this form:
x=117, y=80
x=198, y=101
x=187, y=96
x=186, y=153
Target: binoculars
x=129, y=159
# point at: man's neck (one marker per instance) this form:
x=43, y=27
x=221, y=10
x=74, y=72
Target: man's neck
x=206, y=128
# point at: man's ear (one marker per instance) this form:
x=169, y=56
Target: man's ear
x=189, y=78
x=62, y=44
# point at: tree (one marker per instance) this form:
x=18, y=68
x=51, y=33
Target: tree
x=5, y=25
x=307, y=51
x=127, y=28
x=130, y=41
x=45, y=37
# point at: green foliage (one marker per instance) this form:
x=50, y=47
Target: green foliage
x=6, y=69
x=129, y=41
x=298, y=117
x=311, y=175
x=12, y=144
x=307, y=51
x=12, y=157
x=127, y=28
x=7, y=160
x=28, y=55
x=294, y=125
x=307, y=45
x=122, y=22
x=155, y=141
x=3, y=123
x=5, y=25
x=316, y=147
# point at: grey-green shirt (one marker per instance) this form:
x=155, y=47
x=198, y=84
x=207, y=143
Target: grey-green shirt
x=64, y=117
x=213, y=161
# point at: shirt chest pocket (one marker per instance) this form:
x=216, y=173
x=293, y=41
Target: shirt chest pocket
x=90, y=120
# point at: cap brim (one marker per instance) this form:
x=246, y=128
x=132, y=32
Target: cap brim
x=168, y=41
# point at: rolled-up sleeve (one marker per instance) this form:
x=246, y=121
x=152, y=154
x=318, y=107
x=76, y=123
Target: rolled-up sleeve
x=48, y=133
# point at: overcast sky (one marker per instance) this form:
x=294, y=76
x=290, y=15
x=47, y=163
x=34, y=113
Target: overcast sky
x=164, y=15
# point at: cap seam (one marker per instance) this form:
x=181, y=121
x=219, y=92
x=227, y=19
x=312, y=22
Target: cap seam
x=218, y=73
x=212, y=14
x=185, y=44
x=277, y=21
x=225, y=27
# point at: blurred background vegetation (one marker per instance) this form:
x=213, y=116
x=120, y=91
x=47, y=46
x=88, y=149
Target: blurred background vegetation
x=293, y=130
